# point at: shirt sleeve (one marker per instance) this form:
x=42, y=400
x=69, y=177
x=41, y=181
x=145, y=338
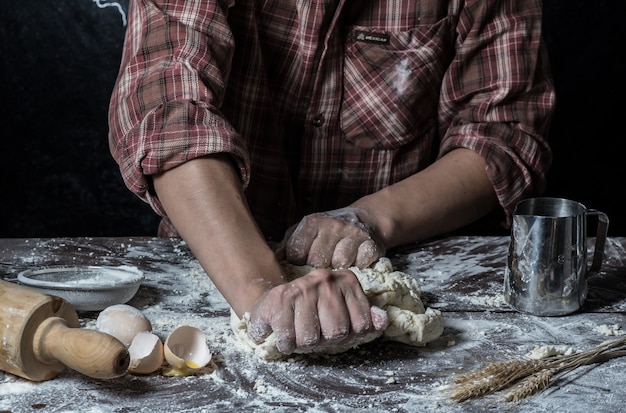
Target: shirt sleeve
x=164, y=109
x=497, y=96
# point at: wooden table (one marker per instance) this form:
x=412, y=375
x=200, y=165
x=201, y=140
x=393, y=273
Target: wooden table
x=461, y=276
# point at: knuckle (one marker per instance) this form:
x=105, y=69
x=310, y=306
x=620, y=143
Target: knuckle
x=295, y=249
x=309, y=222
x=278, y=294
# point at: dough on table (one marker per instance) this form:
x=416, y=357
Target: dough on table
x=393, y=291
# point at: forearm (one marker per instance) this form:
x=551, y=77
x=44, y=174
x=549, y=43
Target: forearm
x=449, y=194
x=204, y=200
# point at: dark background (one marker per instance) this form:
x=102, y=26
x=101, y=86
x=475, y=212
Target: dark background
x=59, y=60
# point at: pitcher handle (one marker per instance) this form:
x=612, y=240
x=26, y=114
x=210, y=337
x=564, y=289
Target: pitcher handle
x=601, y=235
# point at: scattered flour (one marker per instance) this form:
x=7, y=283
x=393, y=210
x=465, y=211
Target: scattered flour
x=259, y=386
x=487, y=300
x=542, y=352
x=376, y=378
x=610, y=330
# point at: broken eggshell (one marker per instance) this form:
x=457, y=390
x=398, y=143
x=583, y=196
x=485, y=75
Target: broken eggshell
x=186, y=351
x=146, y=353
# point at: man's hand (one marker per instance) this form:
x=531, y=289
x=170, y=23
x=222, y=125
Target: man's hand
x=321, y=309
x=335, y=239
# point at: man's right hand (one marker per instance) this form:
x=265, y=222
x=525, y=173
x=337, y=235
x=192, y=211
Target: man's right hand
x=320, y=309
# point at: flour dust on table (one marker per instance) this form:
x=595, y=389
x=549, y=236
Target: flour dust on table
x=395, y=292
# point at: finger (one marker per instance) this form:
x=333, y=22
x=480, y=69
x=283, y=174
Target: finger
x=285, y=331
x=321, y=252
x=345, y=253
x=368, y=252
x=358, y=306
x=307, y=326
x=258, y=330
x=334, y=326
x=380, y=318
x=266, y=319
x=298, y=244
x=334, y=318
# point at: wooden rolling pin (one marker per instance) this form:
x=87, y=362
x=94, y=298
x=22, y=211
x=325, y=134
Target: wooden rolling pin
x=40, y=336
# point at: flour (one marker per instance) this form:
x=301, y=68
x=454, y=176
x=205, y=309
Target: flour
x=610, y=330
x=259, y=386
x=542, y=352
x=392, y=291
x=381, y=376
x=12, y=385
x=486, y=300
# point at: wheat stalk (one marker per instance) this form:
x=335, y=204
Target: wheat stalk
x=531, y=385
x=493, y=377
x=529, y=376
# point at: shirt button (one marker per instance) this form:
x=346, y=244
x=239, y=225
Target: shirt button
x=318, y=121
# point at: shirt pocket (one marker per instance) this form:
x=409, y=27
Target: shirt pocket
x=391, y=83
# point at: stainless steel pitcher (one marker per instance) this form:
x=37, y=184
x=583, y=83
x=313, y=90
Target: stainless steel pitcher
x=547, y=269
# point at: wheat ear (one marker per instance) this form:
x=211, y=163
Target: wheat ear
x=530, y=385
x=493, y=377
x=530, y=376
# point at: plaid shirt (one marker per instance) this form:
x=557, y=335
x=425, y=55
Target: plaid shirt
x=320, y=102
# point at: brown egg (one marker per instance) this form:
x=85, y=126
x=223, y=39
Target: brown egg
x=123, y=322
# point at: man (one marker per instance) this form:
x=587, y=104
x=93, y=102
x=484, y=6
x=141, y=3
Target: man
x=368, y=124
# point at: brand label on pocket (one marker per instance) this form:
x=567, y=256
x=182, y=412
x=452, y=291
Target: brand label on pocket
x=372, y=37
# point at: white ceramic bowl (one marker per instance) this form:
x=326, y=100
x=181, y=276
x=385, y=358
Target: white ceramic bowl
x=87, y=288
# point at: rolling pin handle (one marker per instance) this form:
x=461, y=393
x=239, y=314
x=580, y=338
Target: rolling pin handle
x=89, y=352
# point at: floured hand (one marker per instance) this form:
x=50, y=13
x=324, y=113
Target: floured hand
x=395, y=293
x=334, y=239
x=319, y=309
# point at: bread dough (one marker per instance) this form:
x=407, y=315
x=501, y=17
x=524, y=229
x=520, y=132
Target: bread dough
x=393, y=291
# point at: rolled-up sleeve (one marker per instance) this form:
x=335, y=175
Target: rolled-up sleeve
x=498, y=97
x=164, y=109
